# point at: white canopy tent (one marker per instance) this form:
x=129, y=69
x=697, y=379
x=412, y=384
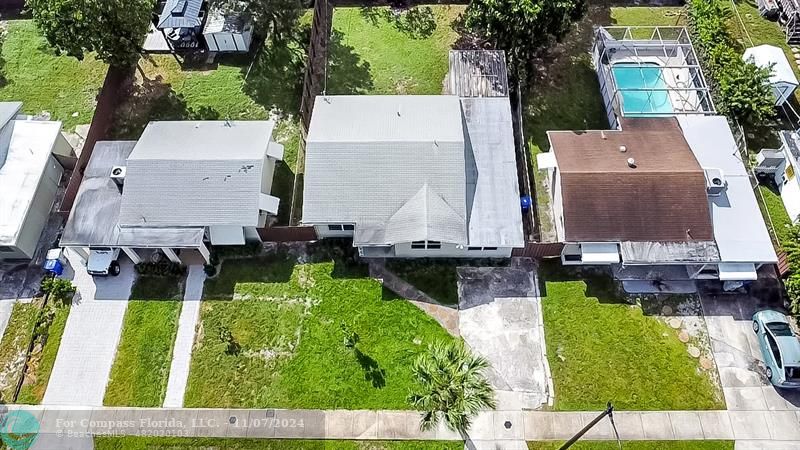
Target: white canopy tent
x=783, y=80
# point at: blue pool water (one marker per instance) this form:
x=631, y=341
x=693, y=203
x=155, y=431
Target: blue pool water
x=646, y=102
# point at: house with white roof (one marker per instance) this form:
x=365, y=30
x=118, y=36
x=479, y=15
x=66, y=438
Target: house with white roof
x=414, y=176
x=29, y=178
x=180, y=186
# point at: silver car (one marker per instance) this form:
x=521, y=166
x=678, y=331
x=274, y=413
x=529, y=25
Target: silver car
x=780, y=347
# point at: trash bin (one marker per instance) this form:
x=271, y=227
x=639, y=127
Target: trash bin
x=53, y=263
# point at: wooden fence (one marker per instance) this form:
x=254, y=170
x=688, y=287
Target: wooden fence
x=539, y=250
x=287, y=234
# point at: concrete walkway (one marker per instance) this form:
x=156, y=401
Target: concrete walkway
x=496, y=426
x=187, y=325
x=89, y=344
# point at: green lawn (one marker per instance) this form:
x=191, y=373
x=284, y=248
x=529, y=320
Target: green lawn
x=286, y=346
x=152, y=443
x=602, y=349
x=371, y=53
x=43, y=81
x=773, y=206
x=141, y=368
x=41, y=366
x=237, y=88
x=14, y=346
x=437, y=279
x=636, y=445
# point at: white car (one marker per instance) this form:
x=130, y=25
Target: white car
x=103, y=261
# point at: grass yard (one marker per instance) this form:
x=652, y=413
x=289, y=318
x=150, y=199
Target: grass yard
x=237, y=88
x=436, y=278
x=281, y=342
x=636, y=445
x=40, y=365
x=152, y=443
x=773, y=207
x=43, y=81
x=14, y=346
x=141, y=368
x=602, y=349
x=375, y=53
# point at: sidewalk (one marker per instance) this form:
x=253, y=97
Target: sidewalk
x=404, y=425
x=187, y=323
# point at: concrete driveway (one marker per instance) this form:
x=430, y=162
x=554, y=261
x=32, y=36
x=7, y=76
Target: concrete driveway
x=736, y=351
x=500, y=318
x=89, y=344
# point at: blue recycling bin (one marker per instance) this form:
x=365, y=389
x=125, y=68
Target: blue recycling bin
x=525, y=202
x=54, y=266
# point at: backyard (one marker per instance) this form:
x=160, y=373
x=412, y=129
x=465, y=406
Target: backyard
x=71, y=85
x=14, y=347
x=41, y=361
x=273, y=331
x=141, y=368
x=375, y=51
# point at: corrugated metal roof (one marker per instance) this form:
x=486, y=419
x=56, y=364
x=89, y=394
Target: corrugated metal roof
x=225, y=21
x=414, y=176
x=181, y=14
x=477, y=73
x=739, y=228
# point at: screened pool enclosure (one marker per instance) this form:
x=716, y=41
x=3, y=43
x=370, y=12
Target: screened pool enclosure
x=649, y=72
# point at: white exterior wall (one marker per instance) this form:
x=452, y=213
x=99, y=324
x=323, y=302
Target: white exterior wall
x=38, y=213
x=557, y=204
x=790, y=196
x=324, y=232
x=267, y=175
x=404, y=250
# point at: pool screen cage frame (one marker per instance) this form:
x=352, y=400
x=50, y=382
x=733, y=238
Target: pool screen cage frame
x=668, y=46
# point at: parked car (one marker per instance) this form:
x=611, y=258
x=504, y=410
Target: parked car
x=780, y=347
x=103, y=262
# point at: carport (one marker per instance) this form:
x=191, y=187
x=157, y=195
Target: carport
x=94, y=219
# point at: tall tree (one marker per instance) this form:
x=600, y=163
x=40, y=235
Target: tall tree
x=523, y=28
x=114, y=29
x=451, y=386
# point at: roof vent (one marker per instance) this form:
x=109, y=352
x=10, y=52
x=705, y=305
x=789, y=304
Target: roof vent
x=631, y=163
x=118, y=174
x=623, y=149
x=603, y=135
x=715, y=182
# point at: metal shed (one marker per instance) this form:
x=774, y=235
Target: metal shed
x=782, y=78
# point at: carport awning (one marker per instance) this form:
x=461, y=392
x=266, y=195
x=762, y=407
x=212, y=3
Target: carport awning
x=599, y=253
x=737, y=272
x=144, y=237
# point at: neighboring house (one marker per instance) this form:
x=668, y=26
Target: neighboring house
x=414, y=176
x=182, y=184
x=782, y=166
x=29, y=179
x=660, y=191
x=187, y=25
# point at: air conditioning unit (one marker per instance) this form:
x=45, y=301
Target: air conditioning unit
x=715, y=181
x=118, y=174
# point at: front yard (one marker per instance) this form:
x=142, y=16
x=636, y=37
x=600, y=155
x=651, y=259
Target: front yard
x=636, y=445
x=272, y=335
x=43, y=81
x=148, y=443
x=141, y=368
x=42, y=360
x=602, y=349
x=14, y=347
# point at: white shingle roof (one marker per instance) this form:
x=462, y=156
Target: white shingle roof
x=196, y=174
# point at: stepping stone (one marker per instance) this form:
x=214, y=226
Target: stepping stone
x=666, y=310
x=706, y=363
x=694, y=352
x=675, y=322
x=683, y=336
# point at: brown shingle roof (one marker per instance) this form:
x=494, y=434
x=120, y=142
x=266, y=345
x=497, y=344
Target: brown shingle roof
x=662, y=199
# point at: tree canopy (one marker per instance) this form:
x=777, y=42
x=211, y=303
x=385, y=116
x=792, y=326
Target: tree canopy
x=114, y=29
x=523, y=28
x=276, y=17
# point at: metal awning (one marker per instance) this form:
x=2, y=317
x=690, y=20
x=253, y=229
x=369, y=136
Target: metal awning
x=599, y=253
x=737, y=272
x=226, y=235
x=146, y=237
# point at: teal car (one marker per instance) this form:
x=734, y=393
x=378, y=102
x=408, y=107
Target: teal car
x=780, y=347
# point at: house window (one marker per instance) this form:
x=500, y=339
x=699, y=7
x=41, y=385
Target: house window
x=348, y=227
x=423, y=245
x=4, y=249
x=474, y=248
x=572, y=257
x=490, y=248
x=482, y=248
x=341, y=227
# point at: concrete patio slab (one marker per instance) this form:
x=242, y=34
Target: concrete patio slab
x=686, y=425
x=716, y=425
x=657, y=426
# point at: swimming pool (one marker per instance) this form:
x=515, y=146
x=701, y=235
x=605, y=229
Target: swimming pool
x=642, y=102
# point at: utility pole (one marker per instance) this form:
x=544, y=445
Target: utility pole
x=609, y=411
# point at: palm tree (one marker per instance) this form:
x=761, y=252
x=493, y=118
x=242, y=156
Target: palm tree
x=452, y=386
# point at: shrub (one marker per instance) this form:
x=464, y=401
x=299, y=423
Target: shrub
x=210, y=270
x=60, y=290
x=250, y=248
x=741, y=90
x=793, y=291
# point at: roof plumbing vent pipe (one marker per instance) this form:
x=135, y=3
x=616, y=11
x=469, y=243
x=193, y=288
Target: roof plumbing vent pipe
x=631, y=163
x=623, y=149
